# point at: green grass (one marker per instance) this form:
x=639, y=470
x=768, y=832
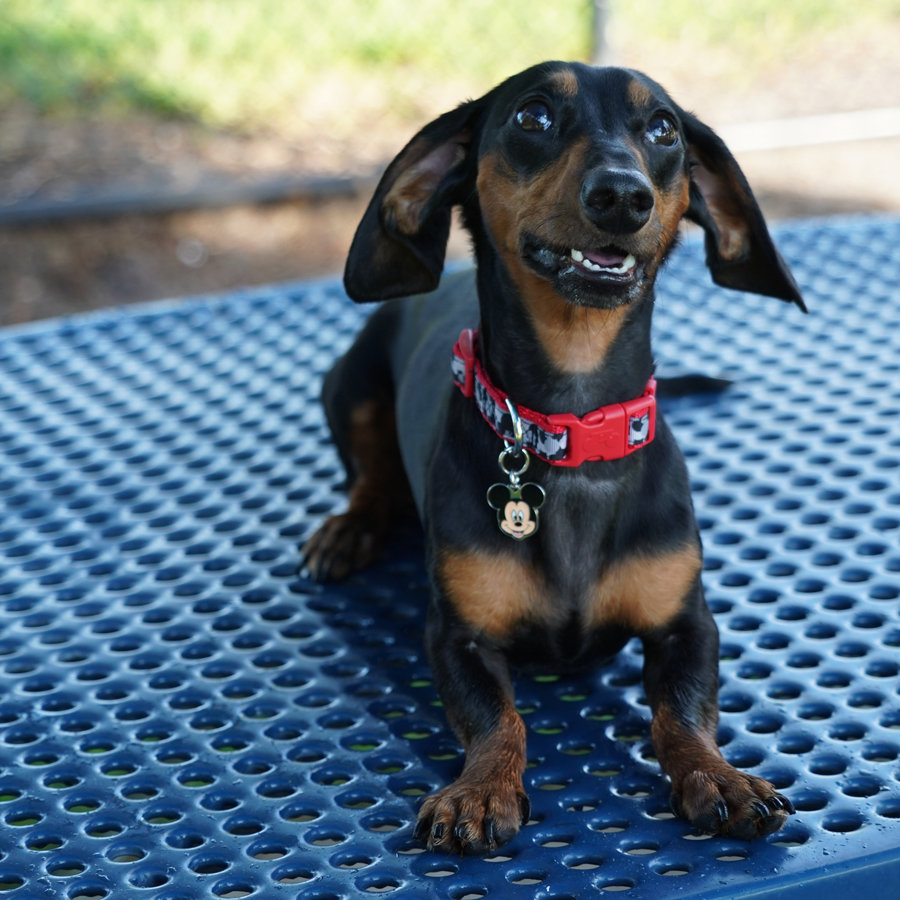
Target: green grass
x=305, y=62
x=753, y=26
x=232, y=61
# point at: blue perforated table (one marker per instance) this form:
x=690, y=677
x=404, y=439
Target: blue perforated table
x=182, y=715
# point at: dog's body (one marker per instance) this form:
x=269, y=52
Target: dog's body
x=558, y=157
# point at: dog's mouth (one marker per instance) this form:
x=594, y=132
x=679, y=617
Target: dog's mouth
x=596, y=276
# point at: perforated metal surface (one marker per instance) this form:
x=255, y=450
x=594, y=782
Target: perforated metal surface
x=182, y=716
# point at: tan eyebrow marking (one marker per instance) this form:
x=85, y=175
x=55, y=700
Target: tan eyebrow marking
x=566, y=82
x=639, y=94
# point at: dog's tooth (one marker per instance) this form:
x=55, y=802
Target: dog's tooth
x=627, y=265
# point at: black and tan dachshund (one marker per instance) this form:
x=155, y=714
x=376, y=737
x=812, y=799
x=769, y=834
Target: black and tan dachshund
x=572, y=182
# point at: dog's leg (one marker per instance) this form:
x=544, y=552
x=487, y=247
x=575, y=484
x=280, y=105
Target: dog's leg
x=379, y=495
x=358, y=398
x=681, y=681
x=487, y=804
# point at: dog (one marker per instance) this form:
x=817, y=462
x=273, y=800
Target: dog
x=572, y=182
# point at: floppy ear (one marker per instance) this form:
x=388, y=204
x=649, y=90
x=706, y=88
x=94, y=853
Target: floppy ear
x=400, y=243
x=739, y=249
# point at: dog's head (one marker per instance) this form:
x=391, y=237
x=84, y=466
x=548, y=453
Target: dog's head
x=577, y=178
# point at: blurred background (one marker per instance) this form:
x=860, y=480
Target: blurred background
x=157, y=149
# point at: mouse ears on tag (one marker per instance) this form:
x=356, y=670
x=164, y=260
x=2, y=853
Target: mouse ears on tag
x=499, y=495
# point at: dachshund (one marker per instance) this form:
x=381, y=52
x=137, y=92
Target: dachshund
x=572, y=181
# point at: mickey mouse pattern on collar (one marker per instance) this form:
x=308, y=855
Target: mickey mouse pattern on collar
x=545, y=444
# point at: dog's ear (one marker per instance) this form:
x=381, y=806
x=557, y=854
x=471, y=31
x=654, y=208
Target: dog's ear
x=400, y=243
x=739, y=249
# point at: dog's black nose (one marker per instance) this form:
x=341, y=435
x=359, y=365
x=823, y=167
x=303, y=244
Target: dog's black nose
x=617, y=200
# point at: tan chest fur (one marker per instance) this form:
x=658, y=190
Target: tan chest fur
x=496, y=593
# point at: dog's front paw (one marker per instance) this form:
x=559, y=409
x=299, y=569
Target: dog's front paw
x=342, y=545
x=730, y=803
x=472, y=818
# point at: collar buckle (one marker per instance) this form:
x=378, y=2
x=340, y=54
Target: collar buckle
x=612, y=432
x=599, y=435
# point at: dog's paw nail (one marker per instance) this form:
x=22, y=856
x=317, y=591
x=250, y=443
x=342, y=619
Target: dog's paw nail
x=490, y=833
x=722, y=811
x=421, y=830
x=777, y=802
x=460, y=832
x=437, y=832
x=761, y=809
x=524, y=809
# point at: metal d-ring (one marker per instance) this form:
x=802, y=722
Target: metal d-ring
x=516, y=448
x=517, y=428
x=513, y=474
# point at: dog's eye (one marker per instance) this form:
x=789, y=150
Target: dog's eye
x=662, y=130
x=534, y=116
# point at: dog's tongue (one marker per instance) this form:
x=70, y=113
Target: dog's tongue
x=608, y=258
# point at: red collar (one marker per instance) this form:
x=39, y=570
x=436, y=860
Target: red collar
x=562, y=439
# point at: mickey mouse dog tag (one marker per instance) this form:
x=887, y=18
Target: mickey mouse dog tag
x=518, y=508
x=518, y=505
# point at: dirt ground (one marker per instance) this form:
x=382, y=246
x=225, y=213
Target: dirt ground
x=58, y=268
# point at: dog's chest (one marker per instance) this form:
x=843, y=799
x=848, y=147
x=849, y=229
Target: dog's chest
x=508, y=598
